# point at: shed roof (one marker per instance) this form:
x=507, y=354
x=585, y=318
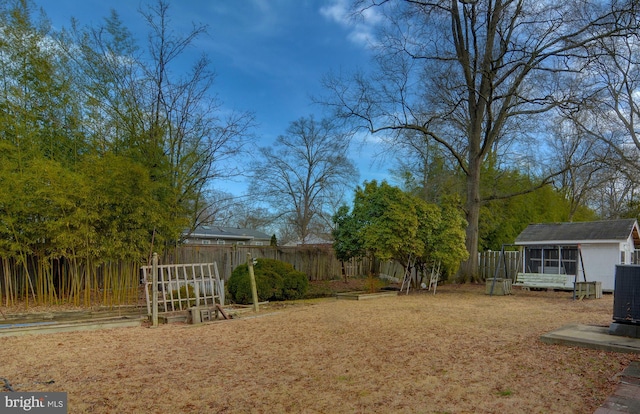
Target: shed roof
x=591, y=231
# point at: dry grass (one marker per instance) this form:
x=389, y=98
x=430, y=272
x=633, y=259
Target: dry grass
x=459, y=351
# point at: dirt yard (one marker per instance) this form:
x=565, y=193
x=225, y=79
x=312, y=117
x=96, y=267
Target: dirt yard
x=459, y=351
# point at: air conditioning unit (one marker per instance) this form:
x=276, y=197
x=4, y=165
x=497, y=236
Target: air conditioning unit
x=626, y=295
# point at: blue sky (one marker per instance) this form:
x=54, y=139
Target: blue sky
x=269, y=55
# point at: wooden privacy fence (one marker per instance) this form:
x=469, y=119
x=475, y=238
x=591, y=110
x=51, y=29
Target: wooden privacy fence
x=317, y=262
x=507, y=266
x=320, y=263
x=53, y=281
x=181, y=286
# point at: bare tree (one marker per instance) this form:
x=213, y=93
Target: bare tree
x=219, y=207
x=617, y=197
x=147, y=106
x=250, y=215
x=601, y=164
x=197, y=143
x=466, y=73
x=423, y=167
x=611, y=118
x=616, y=83
x=586, y=164
x=302, y=174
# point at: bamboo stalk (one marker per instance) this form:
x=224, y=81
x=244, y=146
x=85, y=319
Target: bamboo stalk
x=7, y=281
x=106, y=273
x=52, y=286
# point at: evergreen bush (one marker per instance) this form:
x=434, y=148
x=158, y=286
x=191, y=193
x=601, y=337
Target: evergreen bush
x=275, y=280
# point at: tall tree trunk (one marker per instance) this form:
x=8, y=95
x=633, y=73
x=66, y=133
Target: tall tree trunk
x=344, y=271
x=469, y=268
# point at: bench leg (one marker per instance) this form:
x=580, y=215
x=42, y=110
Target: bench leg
x=205, y=315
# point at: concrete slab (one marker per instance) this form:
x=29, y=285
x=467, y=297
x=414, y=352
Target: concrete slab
x=593, y=337
x=626, y=397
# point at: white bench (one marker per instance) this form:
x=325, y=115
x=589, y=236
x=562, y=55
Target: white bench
x=541, y=280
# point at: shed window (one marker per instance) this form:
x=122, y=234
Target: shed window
x=635, y=257
x=552, y=259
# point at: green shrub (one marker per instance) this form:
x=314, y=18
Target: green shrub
x=275, y=280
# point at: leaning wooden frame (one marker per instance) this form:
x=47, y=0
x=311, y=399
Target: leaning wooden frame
x=182, y=286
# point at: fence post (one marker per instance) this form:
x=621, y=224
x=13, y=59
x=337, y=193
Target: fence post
x=154, y=289
x=252, y=278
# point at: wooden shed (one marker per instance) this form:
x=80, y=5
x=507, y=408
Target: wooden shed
x=586, y=251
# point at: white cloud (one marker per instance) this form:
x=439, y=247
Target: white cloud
x=372, y=16
x=362, y=36
x=337, y=12
x=361, y=24
x=256, y=17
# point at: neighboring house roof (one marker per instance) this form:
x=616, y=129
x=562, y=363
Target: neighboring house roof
x=572, y=233
x=227, y=233
x=311, y=240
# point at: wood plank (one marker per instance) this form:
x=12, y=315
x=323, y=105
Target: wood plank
x=206, y=293
x=220, y=285
x=541, y=280
x=222, y=311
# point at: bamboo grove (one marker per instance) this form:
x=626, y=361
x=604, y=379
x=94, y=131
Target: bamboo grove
x=104, y=158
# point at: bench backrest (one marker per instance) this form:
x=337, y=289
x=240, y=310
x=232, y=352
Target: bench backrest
x=541, y=278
